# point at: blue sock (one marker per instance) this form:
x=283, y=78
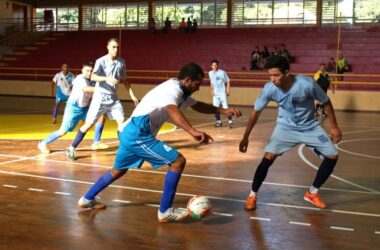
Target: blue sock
x=55, y=112
x=101, y=184
x=52, y=137
x=170, y=188
x=98, y=131
x=78, y=138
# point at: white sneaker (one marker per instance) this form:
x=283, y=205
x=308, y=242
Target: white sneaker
x=70, y=154
x=172, y=215
x=99, y=145
x=43, y=148
x=84, y=203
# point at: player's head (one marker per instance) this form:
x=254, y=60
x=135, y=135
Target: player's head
x=113, y=47
x=278, y=69
x=65, y=68
x=215, y=64
x=191, y=76
x=87, y=69
x=322, y=67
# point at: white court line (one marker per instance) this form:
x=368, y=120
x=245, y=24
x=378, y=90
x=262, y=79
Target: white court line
x=342, y=228
x=9, y=186
x=189, y=195
x=302, y=156
x=354, y=153
x=151, y=205
x=299, y=223
x=223, y=214
x=62, y=193
x=122, y=201
x=377, y=232
x=260, y=218
x=35, y=189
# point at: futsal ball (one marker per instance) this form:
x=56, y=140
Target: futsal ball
x=198, y=206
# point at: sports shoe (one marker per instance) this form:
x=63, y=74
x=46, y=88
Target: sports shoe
x=99, y=145
x=43, y=148
x=84, y=203
x=54, y=121
x=250, y=204
x=314, y=199
x=231, y=125
x=218, y=124
x=70, y=154
x=172, y=215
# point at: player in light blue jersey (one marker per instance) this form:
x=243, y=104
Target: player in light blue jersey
x=296, y=124
x=76, y=107
x=138, y=142
x=61, y=88
x=220, y=89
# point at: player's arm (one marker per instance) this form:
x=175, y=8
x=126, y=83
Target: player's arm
x=335, y=131
x=228, y=87
x=180, y=120
x=130, y=91
x=253, y=118
x=52, y=88
x=109, y=80
x=212, y=88
x=206, y=108
x=88, y=89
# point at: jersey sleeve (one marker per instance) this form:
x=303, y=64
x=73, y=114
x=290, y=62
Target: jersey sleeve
x=98, y=69
x=263, y=99
x=55, y=78
x=171, y=97
x=209, y=76
x=226, y=76
x=123, y=74
x=318, y=94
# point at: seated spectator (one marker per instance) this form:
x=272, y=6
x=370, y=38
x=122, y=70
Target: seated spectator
x=342, y=66
x=189, y=25
x=152, y=25
x=256, y=59
x=275, y=52
x=182, y=26
x=194, y=27
x=264, y=55
x=167, y=25
x=331, y=65
x=284, y=52
x=323, y=80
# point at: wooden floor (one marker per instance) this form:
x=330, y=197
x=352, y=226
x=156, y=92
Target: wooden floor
x=38, y=193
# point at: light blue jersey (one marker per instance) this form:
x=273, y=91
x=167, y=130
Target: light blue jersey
x=296, y=110
x=64, y=84
x=219, y=80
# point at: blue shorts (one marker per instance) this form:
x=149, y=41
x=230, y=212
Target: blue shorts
x=218, y=101
x=73, y=114
x=134, y=150
x=284, y=139
x=60, y=97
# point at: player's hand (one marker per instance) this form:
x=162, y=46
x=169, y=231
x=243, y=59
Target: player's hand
x=112, y=81
x=243, y=146
x=135, y=100
x=202, y=137
x=231, y=112
x=336, y=134
x=212, y=93
x=228, y=92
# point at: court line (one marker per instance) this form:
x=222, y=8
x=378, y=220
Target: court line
x=223, y=214
x=354, y=153
x=122, y=201
x=299, y=223
x=193, y=175
x=9, y=186
x=342, y=228
x=302, y=156
x=35, y=189
x=190, y=195
x=62, y=193
x=260, y=218
x=377, y=232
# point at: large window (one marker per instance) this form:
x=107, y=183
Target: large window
x=63, y=18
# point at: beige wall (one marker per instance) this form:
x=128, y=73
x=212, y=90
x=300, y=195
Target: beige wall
x=7, y=13
x=342, y=100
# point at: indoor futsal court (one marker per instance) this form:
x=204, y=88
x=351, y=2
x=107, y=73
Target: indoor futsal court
x=39, y=192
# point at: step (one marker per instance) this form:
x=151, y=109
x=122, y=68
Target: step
x=41, y=43
x=3, y=64
x=59, y=34
x=31, y=48
x=50, y=38
x=21, y=53
x=9, y=59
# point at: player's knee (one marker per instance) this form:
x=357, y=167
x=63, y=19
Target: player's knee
x=179, y=164
x=270, y=156
x=117, y=173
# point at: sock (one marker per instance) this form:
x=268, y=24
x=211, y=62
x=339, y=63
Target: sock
x=217, y=116
x=98, y=132
x=324, y=171
x=55, y=112
x=170, y=188
x=78, y=138
x=260, y=174
x=313, y=190
x=229, y=119
x=104, y=181
x=52, y=137
x=252, y=193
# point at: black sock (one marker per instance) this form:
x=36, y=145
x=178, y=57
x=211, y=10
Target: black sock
x=324, y=171
x=260, y=174
x=217, y=116
x=78, y=138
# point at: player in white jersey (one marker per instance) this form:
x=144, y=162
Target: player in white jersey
x=76, y=107
x=138, y=142
x=61, y=88
x=109, y=72
x=220, y=89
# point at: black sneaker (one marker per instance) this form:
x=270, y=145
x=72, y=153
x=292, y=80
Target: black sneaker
x=231, y=125
x=218, y=124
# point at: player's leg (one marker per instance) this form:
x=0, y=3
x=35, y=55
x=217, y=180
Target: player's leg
x=116, y=112
x=56, y=107
x=98, y=128
x=216, y=103
x=280, y=141
x=321, y=142
x=224, y=102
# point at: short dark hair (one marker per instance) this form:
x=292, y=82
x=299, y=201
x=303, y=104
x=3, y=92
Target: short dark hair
x=215, y=61
x=192, y=70
x=113, y=39
x=322, y=64
x=88, y=64
x=279, y=62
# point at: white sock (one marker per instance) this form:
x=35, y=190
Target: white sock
x=72, y=148
x=313, y=190
x=218, y=121
x=229, y=121
x=252, y=193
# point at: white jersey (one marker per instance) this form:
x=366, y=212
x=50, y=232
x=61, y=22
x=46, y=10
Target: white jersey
x=150, y=113
x=64, y=82
x=78, y=95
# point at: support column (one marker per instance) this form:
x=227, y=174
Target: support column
x=229, y=13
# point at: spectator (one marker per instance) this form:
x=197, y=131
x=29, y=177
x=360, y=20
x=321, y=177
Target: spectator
x=342, y=66
x=256, y=59
x=323, y=80
x=331, y=65
x=189, y=25
x=195, y=26
x=152, y=25
x=182, y=26
x=167, y=25
x=264, y=55
x=284, y=52
x=275, y=52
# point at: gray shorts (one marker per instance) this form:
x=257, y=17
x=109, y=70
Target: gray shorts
x=103, y=103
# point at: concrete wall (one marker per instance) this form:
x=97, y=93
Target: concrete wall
x=6, y=12
x=342, y=100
